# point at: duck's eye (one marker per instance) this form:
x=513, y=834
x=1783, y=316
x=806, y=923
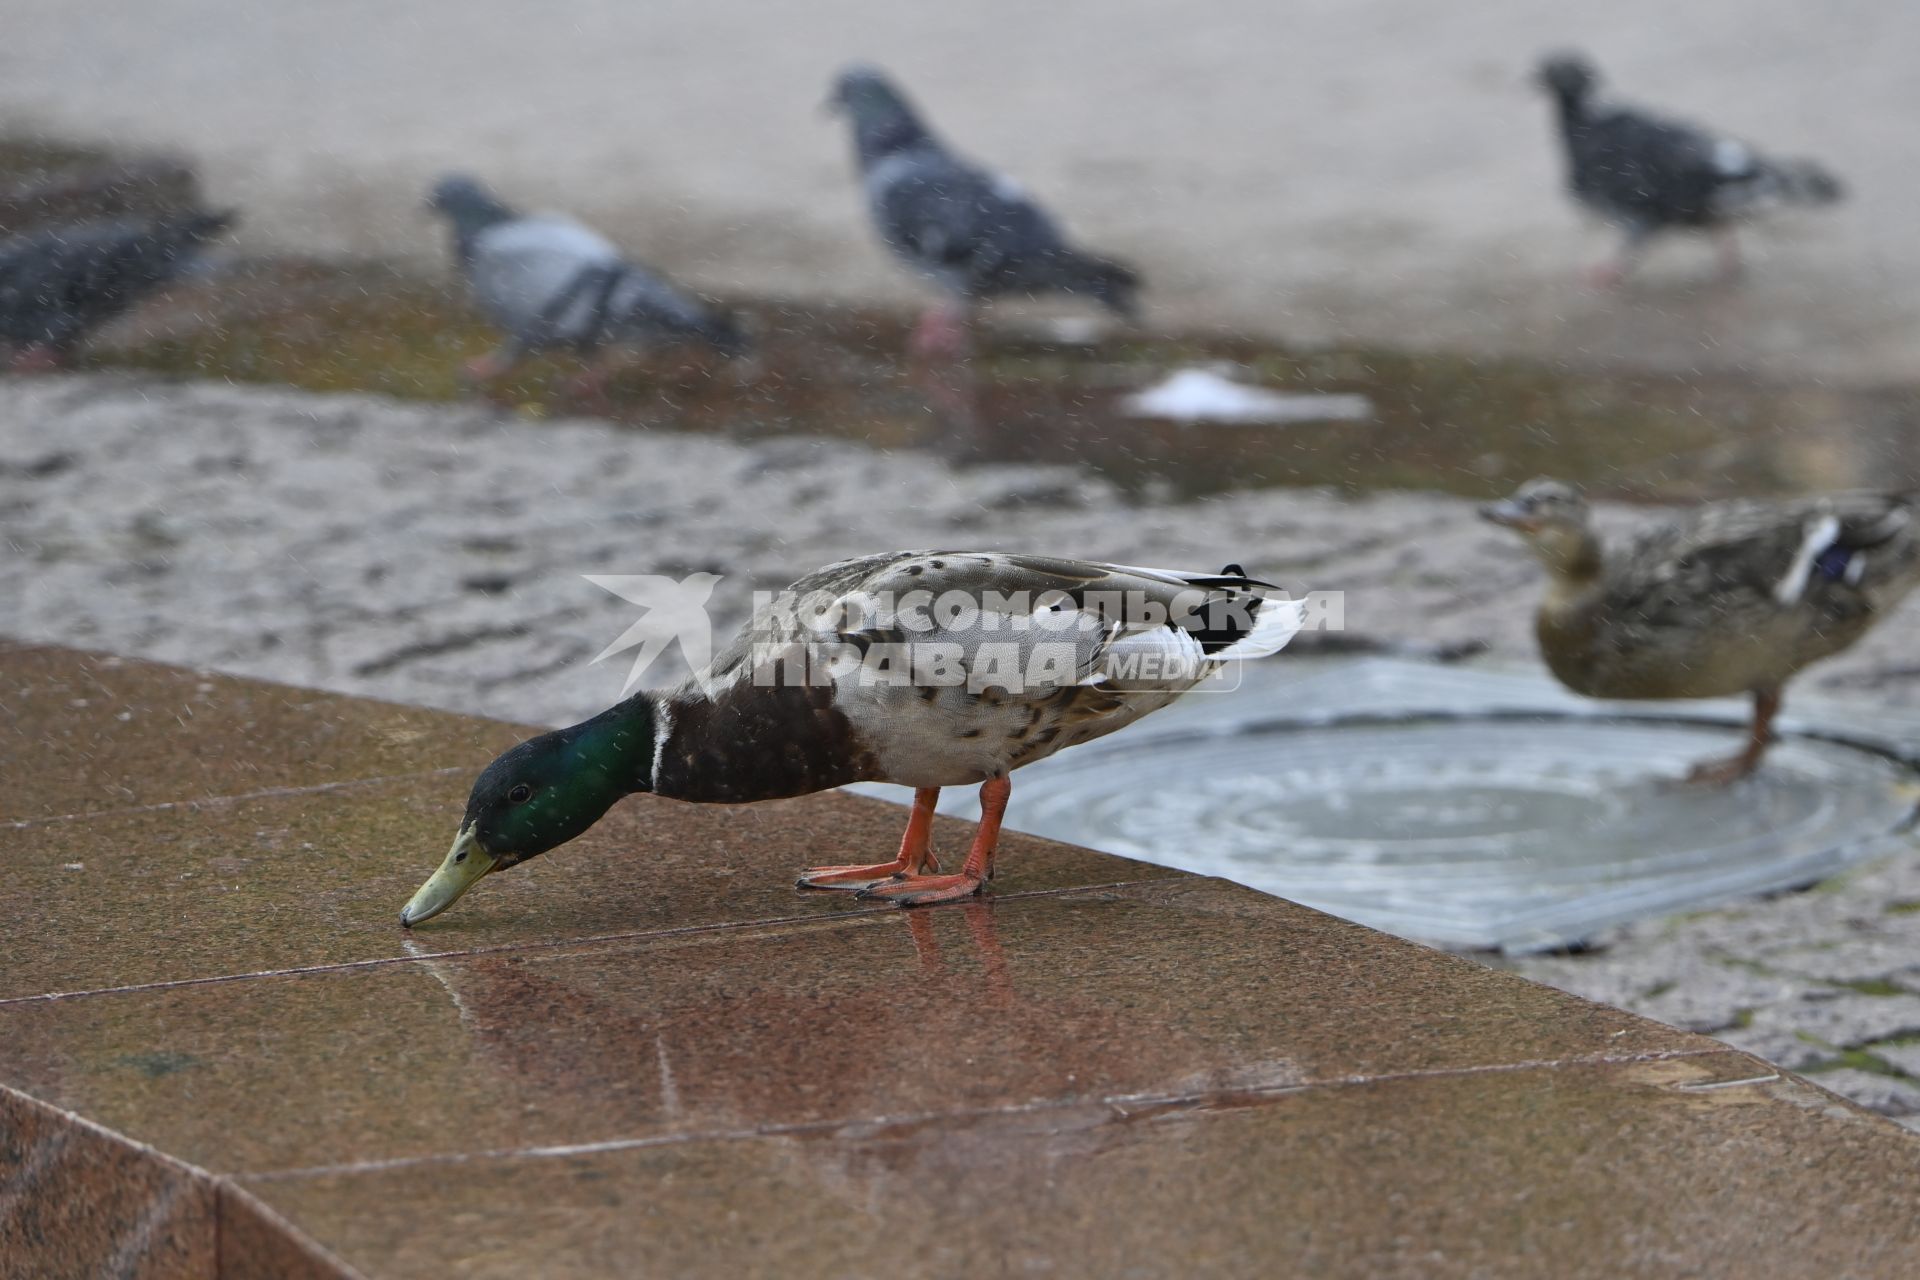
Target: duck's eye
x=520, y=794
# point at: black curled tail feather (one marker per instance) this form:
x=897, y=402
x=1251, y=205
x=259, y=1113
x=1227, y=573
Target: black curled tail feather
x=1233, y=577
x=1231, y=612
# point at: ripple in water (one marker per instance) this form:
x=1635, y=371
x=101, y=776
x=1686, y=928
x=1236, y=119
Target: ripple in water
x=1516, y=832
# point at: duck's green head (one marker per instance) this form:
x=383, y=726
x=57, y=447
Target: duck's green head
x=535, y=797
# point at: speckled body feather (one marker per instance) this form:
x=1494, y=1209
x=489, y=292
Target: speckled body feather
x=733, y=739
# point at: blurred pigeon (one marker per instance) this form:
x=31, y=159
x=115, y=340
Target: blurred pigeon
x=1648, y=174
x=975, y=233
x=551, y=282
x=58, y=284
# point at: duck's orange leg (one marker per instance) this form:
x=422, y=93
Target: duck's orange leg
x=912, y=890
x=1718, y=773
x=916, y=853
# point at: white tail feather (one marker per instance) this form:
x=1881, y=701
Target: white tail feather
x=1275, y=622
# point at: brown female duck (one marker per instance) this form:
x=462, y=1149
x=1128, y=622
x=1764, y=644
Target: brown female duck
x=1735, y=598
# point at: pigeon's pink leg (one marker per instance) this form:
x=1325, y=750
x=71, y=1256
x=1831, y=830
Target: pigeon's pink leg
x=590, y=388
x=943, y=333
x=483, y=373
x=38, y=358
x=941, y=352
x=484, y=369
x=1606, y=275
x=1614, y=272
x=1732, y=265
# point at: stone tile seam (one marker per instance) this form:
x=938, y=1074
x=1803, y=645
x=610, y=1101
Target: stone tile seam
x=599, y=939
x=227, y=1185
x=1121, y=1107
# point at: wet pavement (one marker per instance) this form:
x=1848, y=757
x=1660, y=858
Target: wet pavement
x=1468, y=425
x=603, y=1064
x=220, y=1055
x=430, y=554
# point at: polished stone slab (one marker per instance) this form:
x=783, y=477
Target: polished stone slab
x=276, y=882
x=647, y=1053
x=1152, y=991
x=1700, y=1166
x=85, y=733
x=77, y=1200
x=258, y=1243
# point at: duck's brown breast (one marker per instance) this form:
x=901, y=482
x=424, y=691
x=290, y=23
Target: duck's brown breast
x=1744, y=650
x=751, y=742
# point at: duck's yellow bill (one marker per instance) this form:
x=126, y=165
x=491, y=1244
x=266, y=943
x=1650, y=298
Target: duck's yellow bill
x=465, y=864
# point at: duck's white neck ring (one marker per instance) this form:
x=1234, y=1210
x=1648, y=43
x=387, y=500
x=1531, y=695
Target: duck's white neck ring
x=662, y=730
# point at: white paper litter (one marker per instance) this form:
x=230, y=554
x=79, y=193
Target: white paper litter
x=1203, y=395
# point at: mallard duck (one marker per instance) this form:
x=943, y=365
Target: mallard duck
x=1733, y=599
x=927, y=669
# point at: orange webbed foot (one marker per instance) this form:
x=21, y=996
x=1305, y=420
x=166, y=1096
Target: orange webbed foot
x=920, y=891
x=855, y=877
x=1721, y=773
x=915, y=890
x=915, y=856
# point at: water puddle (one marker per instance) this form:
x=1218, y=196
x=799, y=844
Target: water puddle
x=1470, y=426
x=1476, y=809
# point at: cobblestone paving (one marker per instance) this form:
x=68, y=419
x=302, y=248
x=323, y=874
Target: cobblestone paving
x=433, y=555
